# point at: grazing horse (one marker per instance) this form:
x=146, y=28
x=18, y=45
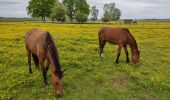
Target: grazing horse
x=134, y=22
x=122, y=37
x=41, y=46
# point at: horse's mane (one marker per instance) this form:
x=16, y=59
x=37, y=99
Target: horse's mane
x=52, y=52
x=132, y=41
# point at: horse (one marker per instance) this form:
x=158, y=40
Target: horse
x=134, y=22
x=121, y=37
x=41, y=46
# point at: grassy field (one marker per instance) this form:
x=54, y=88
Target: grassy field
x=87, y=77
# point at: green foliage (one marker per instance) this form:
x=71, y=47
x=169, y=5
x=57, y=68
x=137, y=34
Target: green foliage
x=82, y=6
x=111, y=12
x=40, y=8
x=80, y=17
x=94, y=13
x=74, y=6
x=70, y=6
x=116, y=14
x=106, y=17
x=59, y=12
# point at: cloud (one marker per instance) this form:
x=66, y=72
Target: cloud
x=7, y=2
x=137, y=8
x=129, y=8
x=13, y=8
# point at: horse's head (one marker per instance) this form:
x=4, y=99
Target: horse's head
x=56, y=83
x=135, y=57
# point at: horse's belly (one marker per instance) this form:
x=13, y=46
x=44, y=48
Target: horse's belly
x=113, y=42
x=39, y=51
x=33, y=49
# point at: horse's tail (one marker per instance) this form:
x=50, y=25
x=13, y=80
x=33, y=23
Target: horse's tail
x=35, y=59
x=99, y=40
x=99, y=33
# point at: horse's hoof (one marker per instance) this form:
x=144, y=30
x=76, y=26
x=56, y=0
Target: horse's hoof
x=30, y=73
x=45, y=83
x=128, y=61
x=101, y=55
x=116, y=62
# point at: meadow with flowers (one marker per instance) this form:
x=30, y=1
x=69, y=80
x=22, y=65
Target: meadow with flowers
x=87, y=76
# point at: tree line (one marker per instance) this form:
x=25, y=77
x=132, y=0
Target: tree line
x=71, y=10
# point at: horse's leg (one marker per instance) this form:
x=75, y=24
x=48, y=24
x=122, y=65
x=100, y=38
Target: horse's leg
x=127, y=54
x=29, y=61
x=44, y=72
x=119, y=51
x=101, y=45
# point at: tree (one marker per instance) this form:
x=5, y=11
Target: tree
x=70, y=6
x=40, y=8
x=80, y=17
x=82, y=11
x=106, y=17
x=82, y=6
x=114, y=12
x=94, y=13
x=76, y=6
x=59, y=12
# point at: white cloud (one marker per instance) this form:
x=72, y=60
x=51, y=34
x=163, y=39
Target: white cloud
x=129, y=8
x=137, y=8
x=13, y=8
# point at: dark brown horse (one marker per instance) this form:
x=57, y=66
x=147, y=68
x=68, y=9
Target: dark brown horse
x=122, y=37
x=41, y=46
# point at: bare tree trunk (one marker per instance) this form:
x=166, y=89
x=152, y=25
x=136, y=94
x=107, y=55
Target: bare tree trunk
x=43, y=19
x=52, y=19
x=71, y=19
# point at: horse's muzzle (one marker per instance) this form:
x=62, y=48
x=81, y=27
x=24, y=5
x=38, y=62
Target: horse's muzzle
x=136, y=64
x=59, y=93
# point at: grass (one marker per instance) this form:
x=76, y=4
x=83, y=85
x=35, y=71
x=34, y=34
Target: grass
x=87, y=77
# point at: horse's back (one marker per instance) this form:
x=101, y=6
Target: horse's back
x=35, y=40
x=113, y=31
x=114, y=35
x=36, y=34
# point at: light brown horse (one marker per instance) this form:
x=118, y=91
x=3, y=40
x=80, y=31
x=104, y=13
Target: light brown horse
x=122, y=37
x=41, y=46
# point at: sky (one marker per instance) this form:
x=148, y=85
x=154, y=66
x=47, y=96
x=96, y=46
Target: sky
x=134, y=9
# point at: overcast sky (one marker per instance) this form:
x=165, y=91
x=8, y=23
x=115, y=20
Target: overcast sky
x=130, y=8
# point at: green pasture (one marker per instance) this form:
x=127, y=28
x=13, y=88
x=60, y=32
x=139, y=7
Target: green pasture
x=87, y=76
